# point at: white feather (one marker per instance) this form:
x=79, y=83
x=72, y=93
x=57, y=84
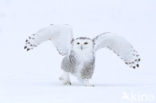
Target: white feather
x=60, y=35
x=120, y=46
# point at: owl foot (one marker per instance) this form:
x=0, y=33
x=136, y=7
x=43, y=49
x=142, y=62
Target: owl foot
x=65, y=78
x=65, y=82
x=86, y=83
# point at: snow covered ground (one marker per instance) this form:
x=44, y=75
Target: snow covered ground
x=32, y=77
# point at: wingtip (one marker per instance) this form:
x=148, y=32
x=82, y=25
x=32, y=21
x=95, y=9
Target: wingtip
x=28, y=49
x=136, y=66
x=25, y=47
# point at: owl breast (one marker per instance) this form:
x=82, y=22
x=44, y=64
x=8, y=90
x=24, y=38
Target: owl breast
x=79, y=64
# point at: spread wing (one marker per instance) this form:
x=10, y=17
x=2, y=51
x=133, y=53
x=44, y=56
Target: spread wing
x=60, y=35
x=120, y=46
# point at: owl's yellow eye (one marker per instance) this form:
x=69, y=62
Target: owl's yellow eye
x=78, y=43
x=85, y=43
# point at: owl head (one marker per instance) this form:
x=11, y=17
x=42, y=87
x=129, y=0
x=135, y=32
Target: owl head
x=82, y=44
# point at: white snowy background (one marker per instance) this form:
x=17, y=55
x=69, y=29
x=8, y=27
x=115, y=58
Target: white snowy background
x=32, y=77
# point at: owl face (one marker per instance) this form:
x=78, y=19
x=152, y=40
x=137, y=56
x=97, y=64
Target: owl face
x=83, y=44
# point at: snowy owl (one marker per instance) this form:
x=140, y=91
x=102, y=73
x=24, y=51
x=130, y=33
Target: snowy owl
x=79, y=53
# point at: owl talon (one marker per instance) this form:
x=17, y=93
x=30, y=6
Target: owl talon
x=25, y=47
x=64, y=81
x=67, y=83
x=64, y=78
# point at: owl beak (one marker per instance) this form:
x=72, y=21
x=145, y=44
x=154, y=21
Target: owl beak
x=81, y=47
